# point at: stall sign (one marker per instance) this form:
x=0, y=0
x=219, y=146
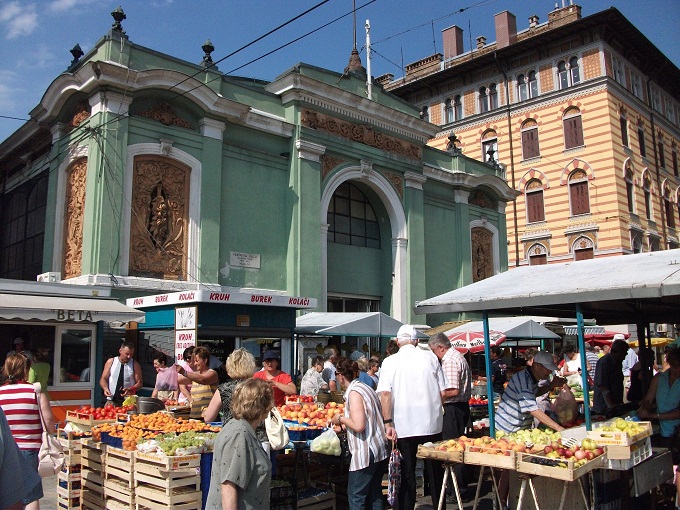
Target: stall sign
x=205, y=296
x=184, y=339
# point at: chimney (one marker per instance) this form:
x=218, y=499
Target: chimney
x=452, y=39
x=564, y=15
x=481, y=42
x=533, y=21
x=506, y=29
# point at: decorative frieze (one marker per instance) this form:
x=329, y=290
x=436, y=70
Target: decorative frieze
x=165, y=114
x=364, y=134
x=74, y=215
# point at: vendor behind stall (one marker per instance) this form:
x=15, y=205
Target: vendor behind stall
x=122, y=375
x=518, y=406
x=203, y=381
x=608, y=391
x=281, y=382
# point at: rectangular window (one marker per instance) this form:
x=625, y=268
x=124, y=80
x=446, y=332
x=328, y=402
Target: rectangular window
x=641, y=140
x=670, y=216
x=573, y=132
x=535, y=207
x=662, y=156
x=530, y=143
x=675, y=163
x=580, y=204
x=74, y=356
x=624, y=131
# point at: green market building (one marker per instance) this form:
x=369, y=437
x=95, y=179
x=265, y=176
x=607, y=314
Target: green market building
x=150, y=175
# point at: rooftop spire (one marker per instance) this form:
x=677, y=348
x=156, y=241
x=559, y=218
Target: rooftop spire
x=355, y=66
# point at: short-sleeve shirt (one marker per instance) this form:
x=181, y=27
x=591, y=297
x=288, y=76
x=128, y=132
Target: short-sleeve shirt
x=283, y=378
x=239, y=458
x=415, y=380
x=499, y=372
x=517, y=402
x=609, y=375
x=457, y=372
x=226, y=391
x=311, y=382
x=328, y=373
x=18, y=479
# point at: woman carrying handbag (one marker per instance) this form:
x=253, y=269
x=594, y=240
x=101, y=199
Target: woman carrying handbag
x=19, y=402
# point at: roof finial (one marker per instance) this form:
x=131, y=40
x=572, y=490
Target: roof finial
x=355, y=65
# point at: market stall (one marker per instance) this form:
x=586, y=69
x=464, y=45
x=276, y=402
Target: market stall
x=644, y=288
x=118, y=460
x=65, y=327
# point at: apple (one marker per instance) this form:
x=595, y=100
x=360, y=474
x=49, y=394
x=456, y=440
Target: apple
x=561, y=451
x=555, y=445
x=590, y=455
x=588, y=444
x=548, y=449
x=579, y=454
x=568, y=453
x=598, y=451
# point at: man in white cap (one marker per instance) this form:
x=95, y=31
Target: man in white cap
x=412, y=388
x=20, y=348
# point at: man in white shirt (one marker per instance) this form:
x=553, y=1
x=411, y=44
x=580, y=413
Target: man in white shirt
x=628, y=362
x=411, y=388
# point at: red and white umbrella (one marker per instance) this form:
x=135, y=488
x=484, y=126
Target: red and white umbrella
x=473, y=341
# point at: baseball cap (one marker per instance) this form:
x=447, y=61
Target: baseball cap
x=619, y=336
x=545, y=359
x=270, y=355
x=407, y=332
x=357, y=355
x=18, y=340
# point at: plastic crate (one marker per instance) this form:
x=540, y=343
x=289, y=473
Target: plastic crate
x=642, y=450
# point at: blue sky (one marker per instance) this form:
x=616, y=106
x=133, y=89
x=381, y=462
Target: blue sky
x=36, y=35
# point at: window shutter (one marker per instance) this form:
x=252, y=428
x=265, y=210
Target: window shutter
x=535, y=208
x=530, y=143
x=580, y=203
x=573, y=133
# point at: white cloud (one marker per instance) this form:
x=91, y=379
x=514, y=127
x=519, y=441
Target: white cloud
x=18, y=19
x=68, y=5
x=8, y=90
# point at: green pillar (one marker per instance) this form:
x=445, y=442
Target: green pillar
x=462, y=229
x=414, y=208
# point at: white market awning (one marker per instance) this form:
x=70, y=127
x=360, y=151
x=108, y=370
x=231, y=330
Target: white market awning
x=66, y=309
x=512, y=327
x=375, y=324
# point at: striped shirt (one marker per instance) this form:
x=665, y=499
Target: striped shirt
x=517, y=403
x=592, y=359
x=372, y=439
x=18, y=401
x=457, y=372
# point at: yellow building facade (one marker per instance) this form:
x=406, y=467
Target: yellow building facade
x=582, y=113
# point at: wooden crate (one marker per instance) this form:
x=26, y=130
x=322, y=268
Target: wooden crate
x=568, y=473
x=437, y=454
x=481, y=456
x=92, y=500
x=175, y=497
x=148, y=504
x=70, y=484
x=68, y=504
x=118, y=495
x=617, y=437
x=120, y=467
x=166, y=474
x=65, y=493
x=72, y=457
x=85, y=419
x=69, y=440
x=324, y=501
x=93, y=480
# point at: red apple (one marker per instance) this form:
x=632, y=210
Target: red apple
x=568, y=453
x=561, y=451
x=598, y=451
x=590, y=455
x=555, y=445
x=547, y=449
x=579, y=455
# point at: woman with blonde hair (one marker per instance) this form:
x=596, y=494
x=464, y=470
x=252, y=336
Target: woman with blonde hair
x=241, y=469
x=203, y=381
x=23, y=405
x=240, y=366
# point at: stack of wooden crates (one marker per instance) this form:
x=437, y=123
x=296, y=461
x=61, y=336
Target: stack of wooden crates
x=92, y=474
x=69, y=478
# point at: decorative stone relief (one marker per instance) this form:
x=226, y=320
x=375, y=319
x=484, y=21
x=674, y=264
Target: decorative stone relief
x=328, y=163
x=364, y=134
x=158, y=230
x=165, y=114
x=482, y=253
x=397, y=181
x=76, y=180
x=82, y=113
x=480, y=200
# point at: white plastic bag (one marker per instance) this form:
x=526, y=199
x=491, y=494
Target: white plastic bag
x=276, y=430
x=327, y=443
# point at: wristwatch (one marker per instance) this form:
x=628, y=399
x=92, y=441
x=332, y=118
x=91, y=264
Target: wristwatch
x=388, y=421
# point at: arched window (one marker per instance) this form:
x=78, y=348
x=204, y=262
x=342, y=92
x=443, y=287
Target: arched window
x=425, y=113
x=483, y=100
x=573, y=128
x=493, y=97
x=448, y=110
x=568, y=73
x=458, y=107
x=351, y=219
x=624, y=129
x=647, y=187
x=578, y=192
x=584, y=248
x=529, y=132
x=527, y=86
x=538, y=255
x=490, y=147
x=662, y=153
x=636, y=244
x=533, y=195
x=668, y=207
x=630, y=189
